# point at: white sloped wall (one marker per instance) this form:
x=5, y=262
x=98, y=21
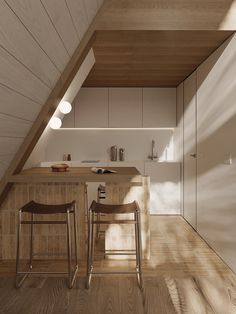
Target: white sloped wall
x=37, y=40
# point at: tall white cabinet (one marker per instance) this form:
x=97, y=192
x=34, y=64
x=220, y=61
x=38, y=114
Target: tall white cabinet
x=190, y=151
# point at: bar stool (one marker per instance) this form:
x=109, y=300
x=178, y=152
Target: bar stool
x=34, y=209
x=131, y=208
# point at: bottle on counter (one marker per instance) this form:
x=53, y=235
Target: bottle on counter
x=64, y=157
x=69, y=157
x=122, y=154
x=113, y=153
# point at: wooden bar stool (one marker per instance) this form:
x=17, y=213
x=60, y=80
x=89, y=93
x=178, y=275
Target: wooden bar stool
x=34, y=209
x=131, y=208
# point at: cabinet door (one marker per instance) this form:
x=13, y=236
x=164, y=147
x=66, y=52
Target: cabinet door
x=125, y=107
x=190, y=150
x=159, y=107
x=165, y=187
x=91, y=108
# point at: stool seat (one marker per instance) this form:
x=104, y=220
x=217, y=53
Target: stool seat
x=129, y=208
x=37, y=208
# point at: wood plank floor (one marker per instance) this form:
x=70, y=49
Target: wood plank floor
x=183, y=276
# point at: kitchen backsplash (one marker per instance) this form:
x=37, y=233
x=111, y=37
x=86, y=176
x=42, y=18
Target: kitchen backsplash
x=95, y=144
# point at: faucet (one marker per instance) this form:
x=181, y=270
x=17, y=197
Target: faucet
x=153, y=156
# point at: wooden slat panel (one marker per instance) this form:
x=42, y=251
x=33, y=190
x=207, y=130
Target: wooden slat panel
x=24, y=48
x=3, y=168
x=36, y=20
x=91, y=8
x=168, y=15
x=17, y=105
x=13, y=127
x=149, y=58
x=9, y=145
x=47, y=238
x=4, y=163
x=63, y=23
x=100, y=2
x=79, y=15
x=14, y=75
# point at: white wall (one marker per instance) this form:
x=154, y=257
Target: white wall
x=216, y=151
x=178, y=136
x=216, y=129
x=94, y=144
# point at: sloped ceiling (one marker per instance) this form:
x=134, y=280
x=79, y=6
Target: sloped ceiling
x=37, y=40
x=169, y=15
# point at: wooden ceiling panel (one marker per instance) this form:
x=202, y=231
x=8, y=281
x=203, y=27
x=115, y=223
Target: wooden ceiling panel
x=150, y=58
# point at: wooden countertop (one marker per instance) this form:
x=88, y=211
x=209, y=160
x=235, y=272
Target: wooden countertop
x=78, y=174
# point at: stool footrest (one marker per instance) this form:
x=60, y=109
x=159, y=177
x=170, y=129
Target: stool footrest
x=133, y=272
x=119, y=253
x=41, y=273
x=104, y=222
x=41, y=222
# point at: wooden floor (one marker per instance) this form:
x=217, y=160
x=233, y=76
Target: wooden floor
x=183, y=276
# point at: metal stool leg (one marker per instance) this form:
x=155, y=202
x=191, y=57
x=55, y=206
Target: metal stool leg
x=140, y=280
x=31, y=241
x=89, y=252
x=90, y=249
x=18, y=283
x=75, y=235
x=68, y=247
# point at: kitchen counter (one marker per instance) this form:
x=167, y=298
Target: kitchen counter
x=129, y=175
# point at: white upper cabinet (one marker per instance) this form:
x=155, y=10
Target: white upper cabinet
x=159, y=107
x=91, y=108
x=125, y=107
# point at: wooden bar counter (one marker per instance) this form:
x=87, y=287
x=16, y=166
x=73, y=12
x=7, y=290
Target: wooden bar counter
x=44, y=186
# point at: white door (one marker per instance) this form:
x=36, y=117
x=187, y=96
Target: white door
x=190, y=161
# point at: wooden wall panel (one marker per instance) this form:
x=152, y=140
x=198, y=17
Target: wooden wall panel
x=24, y=48
x=169, y=15
x=17, y=77
x=36, y=20
x=47, y=238
x=13, y=127
x=62, y=21
x=9, y=145
x=149, y=58
x=17, y=105
x=91, y=7
x=77, y=9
